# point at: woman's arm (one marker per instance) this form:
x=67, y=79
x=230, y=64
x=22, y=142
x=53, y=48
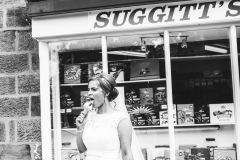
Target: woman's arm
x=81, y=147
x=125, y=135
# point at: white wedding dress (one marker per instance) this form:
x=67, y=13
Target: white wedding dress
x=100, y=136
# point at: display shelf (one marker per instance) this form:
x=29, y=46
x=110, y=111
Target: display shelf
x=69, y=129
x=204, y=57
x=78, y=84
x=141, y=81
x=182, y=126
x=121, y=82
x=165, y=127
x=69, y=149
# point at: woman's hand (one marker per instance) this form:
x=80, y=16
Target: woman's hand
x=81, y=119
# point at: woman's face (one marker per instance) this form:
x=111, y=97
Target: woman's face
x=96, y=93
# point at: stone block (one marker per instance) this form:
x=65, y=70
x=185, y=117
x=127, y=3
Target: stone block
x=14, y=63
x=2, y=132
x=35, y=106
x=11, y=3
x=14, y=107
x=1, y=19
x=35, y=61
x=15, y=152
x=36, y=45
x=17, y=17
x=29, y=130
x=7, y=41
x=38, y=151
x=12, y=131
x=7, y=85
x=28, y=84
x=26, y=42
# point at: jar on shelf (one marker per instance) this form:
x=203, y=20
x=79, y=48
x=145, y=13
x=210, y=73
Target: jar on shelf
x=211, y=143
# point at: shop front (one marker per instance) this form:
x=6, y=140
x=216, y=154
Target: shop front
x=178, y=59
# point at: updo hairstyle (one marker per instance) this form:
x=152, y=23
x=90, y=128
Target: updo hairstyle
x=107, y=83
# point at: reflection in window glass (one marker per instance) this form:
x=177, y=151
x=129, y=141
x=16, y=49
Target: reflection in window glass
x=202, y=88
x=199, y=43
x=138, y=63
x=137, y=46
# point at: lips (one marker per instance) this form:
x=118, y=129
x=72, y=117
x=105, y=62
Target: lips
x=89, y=99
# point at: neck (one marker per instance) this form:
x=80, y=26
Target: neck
x=105, y=108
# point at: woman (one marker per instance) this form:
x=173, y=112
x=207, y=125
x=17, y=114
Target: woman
x=107, y=133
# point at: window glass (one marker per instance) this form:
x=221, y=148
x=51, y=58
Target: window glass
x=139, y=65
x=72, y=63
x=202, y=90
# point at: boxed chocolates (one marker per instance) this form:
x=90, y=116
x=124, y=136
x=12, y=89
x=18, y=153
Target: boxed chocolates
x=224, y=154
x=132, y=96
x=158, y=153
x=160, y=95
x=72, y=74
x=164, y=116
x=146, y=95
x=142, y=115
x=185, y=114
x=116, y=69
x=200, y=153
x=71, y=154
x=144, y=69
x=221, y=113
x=201, y=114
x=179, y=155
x=94, y=69
x=83, y=95
x=187, y=149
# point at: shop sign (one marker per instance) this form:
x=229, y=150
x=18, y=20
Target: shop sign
x=167, y=14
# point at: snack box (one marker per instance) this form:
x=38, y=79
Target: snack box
x=221, y=113
x=116, y=69
x=83, y=95
x=158, y=153
x=164, y=116
x=72, y=74
x=187, y=149
x=71, y=154
x=160, y=95
x=224, y=154
x=146, y=95
x=179, y=155
x=132, y=96
x=185, y=114
x=201, y=114
x=200, y=153
x=144, y=69
x=142, y=115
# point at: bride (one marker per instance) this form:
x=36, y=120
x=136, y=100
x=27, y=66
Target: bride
x=103, y=128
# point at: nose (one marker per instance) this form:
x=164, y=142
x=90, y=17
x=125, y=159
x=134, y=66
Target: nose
x=89, y=92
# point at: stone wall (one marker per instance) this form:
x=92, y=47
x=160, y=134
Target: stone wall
x=20, y=125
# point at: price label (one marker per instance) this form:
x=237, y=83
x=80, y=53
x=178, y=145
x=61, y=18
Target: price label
x=68, y=110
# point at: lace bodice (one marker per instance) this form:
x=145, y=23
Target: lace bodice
x=100, y=136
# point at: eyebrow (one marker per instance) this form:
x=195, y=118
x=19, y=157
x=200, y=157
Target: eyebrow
x=93, y=87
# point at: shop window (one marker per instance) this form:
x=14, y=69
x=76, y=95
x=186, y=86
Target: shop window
x=72, y=63
x=139, y=62
x=202, y=89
